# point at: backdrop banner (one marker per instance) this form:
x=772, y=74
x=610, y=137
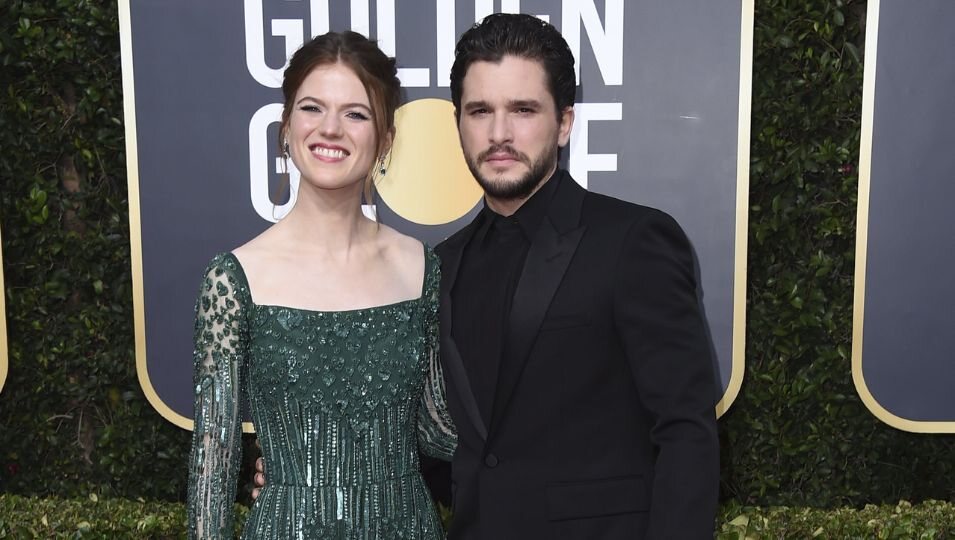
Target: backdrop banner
x=662, y=119
x=904, y=317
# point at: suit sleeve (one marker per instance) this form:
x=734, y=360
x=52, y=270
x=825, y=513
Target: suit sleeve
x=658, y=317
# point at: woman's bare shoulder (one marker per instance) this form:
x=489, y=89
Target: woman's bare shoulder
x=400, y=247
x=260, y=250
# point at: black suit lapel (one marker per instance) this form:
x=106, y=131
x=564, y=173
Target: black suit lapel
x=547, y=260
x=451, y=253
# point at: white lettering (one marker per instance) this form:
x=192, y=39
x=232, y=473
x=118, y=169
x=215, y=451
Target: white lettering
x=514, y=6
x=319, y=17
x=607, y=42
x=385, y=31
x=510, y=6
x=580, y=162
x=445, y=34
x=293, y=32
x=482, y=8
x=360, y=17
x=290, y=29
x=605, y=38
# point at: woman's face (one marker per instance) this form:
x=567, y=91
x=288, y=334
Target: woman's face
x=331, y=133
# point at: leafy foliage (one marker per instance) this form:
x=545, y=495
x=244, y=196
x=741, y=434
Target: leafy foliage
x=93, y=517
x=928, y=520
x=798, y=434
x=73, y=416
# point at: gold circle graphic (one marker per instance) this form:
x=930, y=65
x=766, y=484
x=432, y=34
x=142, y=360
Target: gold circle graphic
x=427, y=180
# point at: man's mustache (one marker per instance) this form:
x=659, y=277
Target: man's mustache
x=506, y=149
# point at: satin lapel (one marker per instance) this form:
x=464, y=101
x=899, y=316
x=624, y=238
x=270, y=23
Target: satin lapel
x=450, y=356
x=547, y=260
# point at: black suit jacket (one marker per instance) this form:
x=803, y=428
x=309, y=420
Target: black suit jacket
x=603, y=422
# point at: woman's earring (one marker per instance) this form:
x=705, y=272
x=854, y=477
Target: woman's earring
x=285, y=149
x=381, y=166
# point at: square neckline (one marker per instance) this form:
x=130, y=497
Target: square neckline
x=425, y=250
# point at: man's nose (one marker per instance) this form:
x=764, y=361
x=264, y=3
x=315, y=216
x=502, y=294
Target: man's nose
x=500, y=129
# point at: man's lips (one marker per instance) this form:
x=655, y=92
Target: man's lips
x=501, y=158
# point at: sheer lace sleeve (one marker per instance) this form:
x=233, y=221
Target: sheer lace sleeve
x=437, y=436
x=221, y=342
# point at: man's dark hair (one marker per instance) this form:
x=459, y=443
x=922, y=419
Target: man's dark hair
x=524, y=36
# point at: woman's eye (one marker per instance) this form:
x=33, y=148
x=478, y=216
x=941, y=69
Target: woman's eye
x=309, y=108
x=357, y=116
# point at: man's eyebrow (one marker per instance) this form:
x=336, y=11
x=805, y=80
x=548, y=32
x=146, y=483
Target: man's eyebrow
x=529, y=103
x=512, y=104
x=480, y=104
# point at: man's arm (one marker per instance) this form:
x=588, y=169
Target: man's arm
x=659, y=320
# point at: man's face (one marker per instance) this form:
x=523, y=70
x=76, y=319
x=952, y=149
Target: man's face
x=509, y=126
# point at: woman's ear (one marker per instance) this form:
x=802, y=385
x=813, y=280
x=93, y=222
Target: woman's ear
x=386, y=142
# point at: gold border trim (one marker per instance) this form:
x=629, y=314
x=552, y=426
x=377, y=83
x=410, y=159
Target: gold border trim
x=3, y=325
x=742, y=207
x=862, y=238
x=135, y=225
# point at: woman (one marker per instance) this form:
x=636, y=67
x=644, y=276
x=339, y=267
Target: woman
x=327, y=321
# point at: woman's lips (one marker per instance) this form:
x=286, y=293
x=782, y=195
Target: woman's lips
x=328, y=152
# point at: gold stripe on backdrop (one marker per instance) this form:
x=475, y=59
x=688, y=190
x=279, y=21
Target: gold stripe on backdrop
x=135, y=226
x=3, y=325
x=742, y=207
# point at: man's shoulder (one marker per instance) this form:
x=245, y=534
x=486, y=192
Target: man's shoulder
x=455, y=240
x=605, y=209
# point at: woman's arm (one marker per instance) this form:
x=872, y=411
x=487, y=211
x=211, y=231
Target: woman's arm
x=220, y=349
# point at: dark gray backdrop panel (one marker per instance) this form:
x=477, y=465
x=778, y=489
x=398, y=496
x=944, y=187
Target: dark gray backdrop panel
x=909, y=293
x=676, y=143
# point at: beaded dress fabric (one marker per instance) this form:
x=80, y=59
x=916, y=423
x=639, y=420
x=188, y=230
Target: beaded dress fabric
x=341, y=402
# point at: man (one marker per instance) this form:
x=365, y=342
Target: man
x=573, y=346
x=574, y=350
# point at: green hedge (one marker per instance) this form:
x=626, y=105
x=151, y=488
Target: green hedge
x=73, y=419
x=91, y=517
x=798, y=434
x=928, y=520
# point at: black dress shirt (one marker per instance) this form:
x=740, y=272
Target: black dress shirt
x=490, y=268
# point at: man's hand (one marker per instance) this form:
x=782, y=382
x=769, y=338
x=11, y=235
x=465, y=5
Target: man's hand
x=259, y=478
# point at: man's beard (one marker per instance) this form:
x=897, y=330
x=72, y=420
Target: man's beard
x=511, y=190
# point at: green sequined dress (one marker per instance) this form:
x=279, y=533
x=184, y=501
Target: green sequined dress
x=341, y=402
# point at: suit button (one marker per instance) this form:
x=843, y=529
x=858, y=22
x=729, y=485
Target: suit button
x=491, y=460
